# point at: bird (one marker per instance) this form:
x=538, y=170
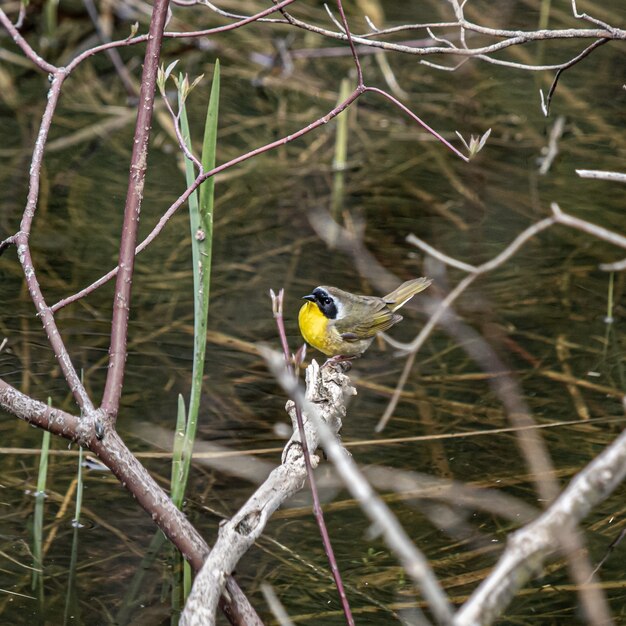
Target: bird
x=342, y=325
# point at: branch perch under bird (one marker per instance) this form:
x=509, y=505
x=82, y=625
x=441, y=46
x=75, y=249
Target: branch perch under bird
x=327, y=390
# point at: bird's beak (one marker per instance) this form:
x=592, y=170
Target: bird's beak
x=310, y=297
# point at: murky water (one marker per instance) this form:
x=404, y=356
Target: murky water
x=543, y=312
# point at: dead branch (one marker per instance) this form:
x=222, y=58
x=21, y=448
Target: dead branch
x=411, y=558
x=135, y=479
x=509, y=38
x=327, y=389
x=529, y=547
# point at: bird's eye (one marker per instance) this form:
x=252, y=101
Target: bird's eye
x=326, y=300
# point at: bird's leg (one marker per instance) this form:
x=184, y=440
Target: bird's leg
x=345, y=359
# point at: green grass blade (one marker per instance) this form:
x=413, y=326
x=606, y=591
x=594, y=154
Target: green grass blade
x=51, y=18
x=177, y=488
x=43, y=463
x=37, y=579
x=201, y=221
x=209, y=145
x=72, y=610
x=40, y=494
x=187, y=579
x=341, y=153
x=79, y=490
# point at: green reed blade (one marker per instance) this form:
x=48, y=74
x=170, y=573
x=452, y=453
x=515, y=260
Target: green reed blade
x=72, y=610
x=341, y=152
x=79, y=489
x=187, y=579
x=201, y=221
x=43, y=463
x=177, y=488
x=51, y=18
x=40, y=493
x=37, y=578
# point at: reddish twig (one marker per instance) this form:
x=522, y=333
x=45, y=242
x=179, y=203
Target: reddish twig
x=132, y=210
x=28, y=51
x=131, y=41
x=199, y=180
x=545, y=103
x=277, y=309
x=416, y=118
x=6, y=243
x=355, y=56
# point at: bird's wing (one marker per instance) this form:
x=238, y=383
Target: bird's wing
x=376, y=317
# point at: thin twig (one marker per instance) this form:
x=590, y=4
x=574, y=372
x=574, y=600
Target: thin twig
x=277, y=309
x=587, y=227
x=355, y=56
x=132, y=209
x=545, y=104
x=588, y=18
x=488, y=266
x=618, y=177
x=417, y=119
x=182, y=144
x=413, y=561
x=28, y=51
x=131, y=41
x=512, y=38
x=528, y=547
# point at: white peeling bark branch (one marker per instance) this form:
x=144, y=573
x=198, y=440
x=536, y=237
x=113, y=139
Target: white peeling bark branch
x=530, y=546
x=411, y=558
x=328, y=390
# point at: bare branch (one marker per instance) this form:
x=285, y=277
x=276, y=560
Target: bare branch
x=587, y=227
x=134, y=477
x=131, y=41
x=545, y=104
x=413, y=561
x=498, y=260
x=25, y=47
x=132, y=210
x=412, y=115
x=444, y=258
x=512, y=38
x=528, y=547
x=618, y=177
x=238, y=534
x=588, y=18
x=355, y=57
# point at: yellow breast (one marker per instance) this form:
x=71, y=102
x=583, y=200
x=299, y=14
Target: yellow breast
x=315, y=330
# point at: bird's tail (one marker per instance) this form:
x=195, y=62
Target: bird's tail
x=400, y=296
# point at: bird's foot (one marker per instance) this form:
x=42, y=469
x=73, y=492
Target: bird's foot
x=341, y=359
